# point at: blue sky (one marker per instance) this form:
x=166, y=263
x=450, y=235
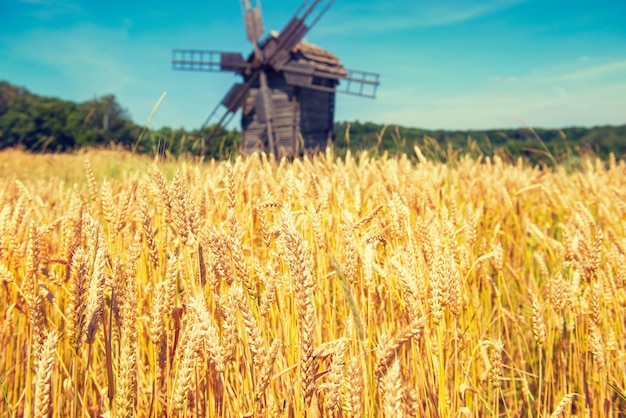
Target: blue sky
x=452, y=64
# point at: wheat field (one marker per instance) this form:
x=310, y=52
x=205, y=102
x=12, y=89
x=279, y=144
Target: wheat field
x=321, y=287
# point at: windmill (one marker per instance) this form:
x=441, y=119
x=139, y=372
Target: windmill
x=287, y=95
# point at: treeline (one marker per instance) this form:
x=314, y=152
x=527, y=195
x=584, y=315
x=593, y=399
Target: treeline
x=535, y=144
x=47, y=124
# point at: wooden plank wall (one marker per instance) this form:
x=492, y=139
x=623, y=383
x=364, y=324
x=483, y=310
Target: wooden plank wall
x=297, y=114
x=316, y=118
x=284, y=120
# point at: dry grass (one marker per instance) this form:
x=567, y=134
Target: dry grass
x=355, y=287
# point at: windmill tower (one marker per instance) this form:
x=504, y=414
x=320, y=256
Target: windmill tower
x=287, y=95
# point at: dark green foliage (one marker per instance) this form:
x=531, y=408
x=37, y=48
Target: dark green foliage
x=174, y=142
x=538, y=145
x=44, y=124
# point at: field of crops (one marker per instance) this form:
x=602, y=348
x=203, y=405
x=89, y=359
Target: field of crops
x=323, y=287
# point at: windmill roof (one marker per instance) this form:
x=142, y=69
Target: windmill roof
x=320, y=58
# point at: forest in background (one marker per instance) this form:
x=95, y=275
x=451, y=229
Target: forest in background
x=49, y=124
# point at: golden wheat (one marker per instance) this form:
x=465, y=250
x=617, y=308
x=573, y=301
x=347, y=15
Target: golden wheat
x=357, y=286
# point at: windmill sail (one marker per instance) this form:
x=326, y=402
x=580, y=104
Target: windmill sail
x=287, y=97
x=359, y=83
x=252, y=20
x=305, y=18
x=204, y=60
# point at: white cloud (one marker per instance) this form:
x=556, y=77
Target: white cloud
x=385, y=16
x=574, y=73
x=540, y=97
x=596, y=71
x=51, y=9
x=85, y=55
x=80, y=62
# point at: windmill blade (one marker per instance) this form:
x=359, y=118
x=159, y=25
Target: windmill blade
x=305, y=18
x=252, y=19
x=224, y=118
x=228, y=106
x=204, y=60
x=264, y=112
x=225, y=109
x=359, y=83
x=235, y=96
x=263, y=107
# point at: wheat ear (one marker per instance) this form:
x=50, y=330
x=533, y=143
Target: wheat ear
x=562, y=405
x=392, y=392
x=299, y=258
x=44, y=375
x=390, y=349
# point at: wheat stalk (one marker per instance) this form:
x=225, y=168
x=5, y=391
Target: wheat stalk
x=353, y=388
x=389, y=350
x=560, y=408
x=392, y=391
x=420, y=243
x=184, y=374
x=206, y=331
x=44, y=374
x=91, y=181
x=299, y=264
x=255, y=339
x=148, y=231
x=539, y=326
x=495, y=367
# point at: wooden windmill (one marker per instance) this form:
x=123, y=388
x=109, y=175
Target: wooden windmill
x=287, y=95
